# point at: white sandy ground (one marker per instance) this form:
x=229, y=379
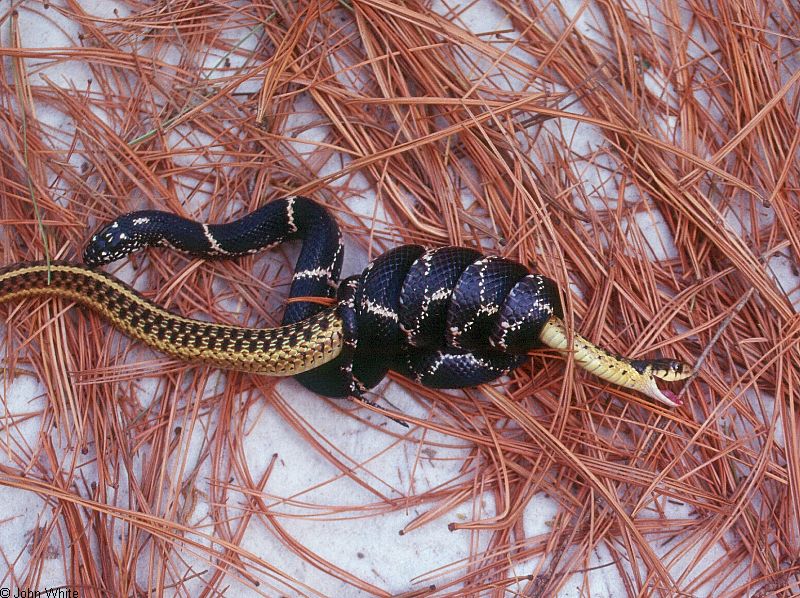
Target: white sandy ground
x=370, y=548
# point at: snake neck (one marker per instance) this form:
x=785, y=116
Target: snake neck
x=637, y=375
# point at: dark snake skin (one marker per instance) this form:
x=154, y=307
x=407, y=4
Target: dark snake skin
x=447, y=317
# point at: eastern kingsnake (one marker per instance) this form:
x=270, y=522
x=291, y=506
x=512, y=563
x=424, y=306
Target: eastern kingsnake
x=447, y=317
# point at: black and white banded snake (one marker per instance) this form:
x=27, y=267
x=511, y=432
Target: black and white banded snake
x=447, y=318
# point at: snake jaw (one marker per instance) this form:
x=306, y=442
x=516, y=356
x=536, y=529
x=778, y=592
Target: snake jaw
x=665, y=396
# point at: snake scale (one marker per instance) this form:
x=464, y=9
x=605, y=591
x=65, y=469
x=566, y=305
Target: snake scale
x=447, y=317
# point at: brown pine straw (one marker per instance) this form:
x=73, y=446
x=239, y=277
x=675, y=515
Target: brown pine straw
x=195, y=108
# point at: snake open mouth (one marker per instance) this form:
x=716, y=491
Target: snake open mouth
x=664, y=395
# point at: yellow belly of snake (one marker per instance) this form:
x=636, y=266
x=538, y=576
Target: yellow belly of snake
x=280, y=351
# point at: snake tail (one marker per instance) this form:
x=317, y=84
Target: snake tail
x=639, y=375
x=281, y=351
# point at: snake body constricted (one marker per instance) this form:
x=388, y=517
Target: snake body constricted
x=446, y=317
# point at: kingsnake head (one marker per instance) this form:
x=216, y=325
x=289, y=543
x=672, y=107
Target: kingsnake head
x=114, y=241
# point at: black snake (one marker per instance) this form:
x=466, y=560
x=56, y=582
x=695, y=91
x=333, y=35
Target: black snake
x=446, y=317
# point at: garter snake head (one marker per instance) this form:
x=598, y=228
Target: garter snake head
x=668, y=370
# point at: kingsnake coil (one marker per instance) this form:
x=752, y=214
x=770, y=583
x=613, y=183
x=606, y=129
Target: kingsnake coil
x=446, y=317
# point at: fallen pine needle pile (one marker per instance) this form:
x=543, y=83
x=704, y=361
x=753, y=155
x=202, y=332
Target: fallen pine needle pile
x=644, y=155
